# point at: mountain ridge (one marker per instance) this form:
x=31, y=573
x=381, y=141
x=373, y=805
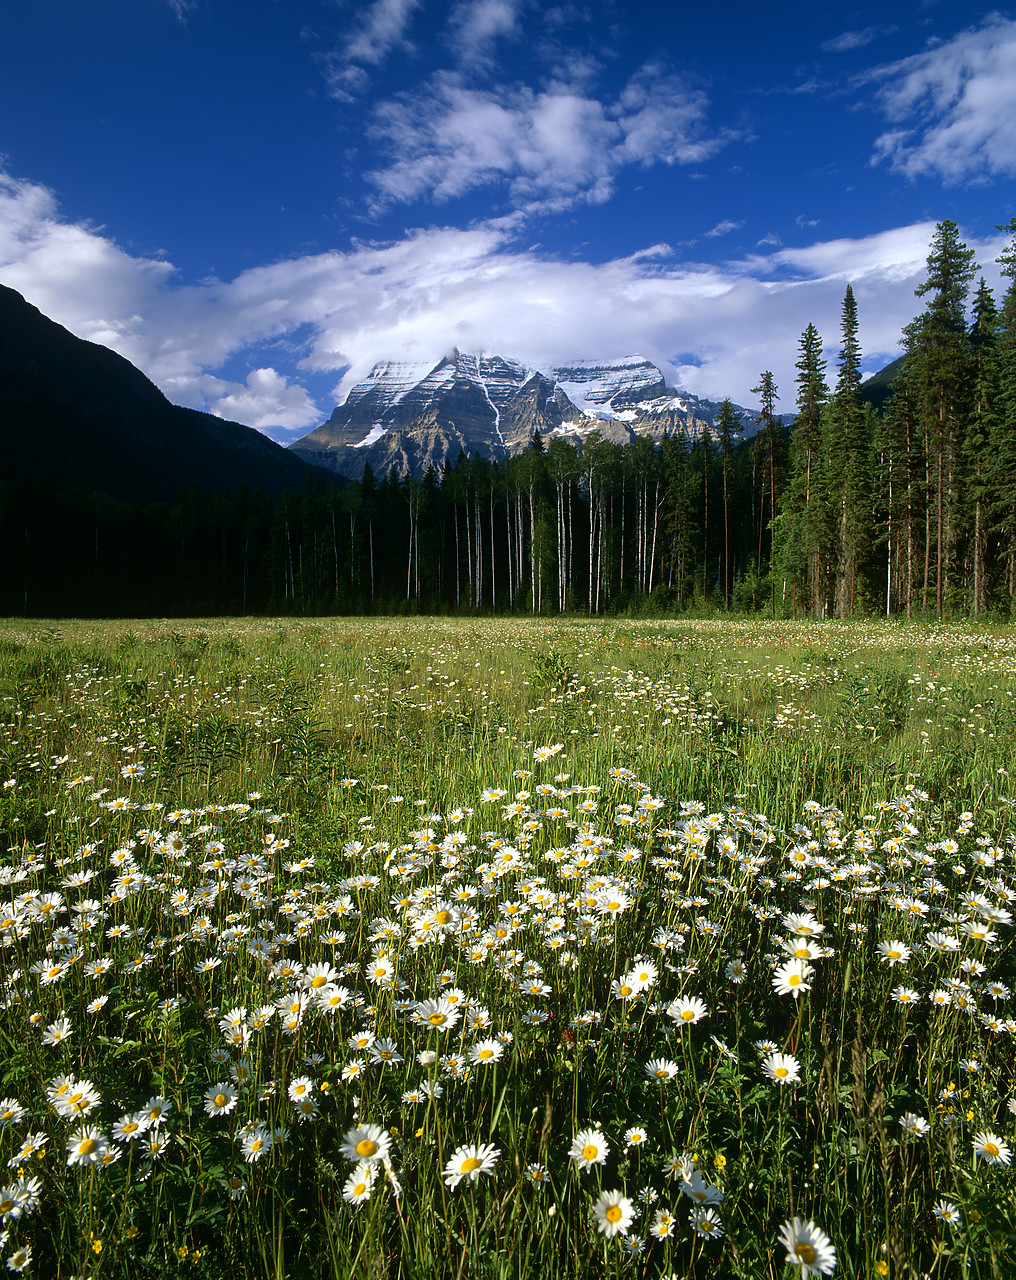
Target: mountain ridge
x=72, y=407
x=408, y=416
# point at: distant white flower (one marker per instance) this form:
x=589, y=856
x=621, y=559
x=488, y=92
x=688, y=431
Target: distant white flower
x=990, y=1147
x=589, y=1147
x=614, y=1213
x=469, y=1162
x=782, y=1068
x=808, y=1247
x=894, y=952
x=687, y=1010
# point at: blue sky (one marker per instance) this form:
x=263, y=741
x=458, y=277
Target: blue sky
x=255, y=201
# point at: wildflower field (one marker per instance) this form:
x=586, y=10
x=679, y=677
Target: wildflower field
x=493, y=948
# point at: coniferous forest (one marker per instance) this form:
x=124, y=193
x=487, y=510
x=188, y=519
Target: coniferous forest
x=907, y=509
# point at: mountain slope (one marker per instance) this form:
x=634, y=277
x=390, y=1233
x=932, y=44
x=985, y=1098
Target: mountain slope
x=877, y=389
x=72, y=407
x=410, y=416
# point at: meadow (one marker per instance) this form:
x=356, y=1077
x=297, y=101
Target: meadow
x=494, y=948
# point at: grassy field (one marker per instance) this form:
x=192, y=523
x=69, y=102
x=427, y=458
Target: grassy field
x=440, y=948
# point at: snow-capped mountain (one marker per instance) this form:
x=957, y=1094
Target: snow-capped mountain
x=409, y=416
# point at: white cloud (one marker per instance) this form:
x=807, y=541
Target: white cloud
x=849, y=40
x=476, y=25
x=64, y=267
x=953, y=106
x=723, y=228
x=549, y=149
x=181, y=8
x=381, y=26
x=477, y=288
x=267, y=399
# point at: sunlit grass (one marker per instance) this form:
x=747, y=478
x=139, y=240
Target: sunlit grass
x=452, y=947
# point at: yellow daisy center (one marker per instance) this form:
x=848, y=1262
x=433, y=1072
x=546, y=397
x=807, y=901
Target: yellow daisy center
x=87, y=1146
x=804, y=1252
x=485, y=1053
x=436, y=1019
x=990, y=1149
x=781, y=1072
x=469, y=1164
x=613, y=1214
x=220, y=1099
x=590, y=1151
x=687, y=1014
x=365, y=1148
x=319, y=981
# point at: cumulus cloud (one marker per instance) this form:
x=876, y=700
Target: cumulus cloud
x=952, y=106
x=476, y=26
x=380, y=27
x=548, y=148
x=62, y=267
x=712, y=327
x=266, y=399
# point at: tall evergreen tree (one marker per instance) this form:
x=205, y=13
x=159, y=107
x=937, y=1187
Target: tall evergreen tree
x=1003, y=444
x=807, y=510
x=728, y=427
x=769, y=453
x=847, y=449
x=938, y=363
x=975, y=445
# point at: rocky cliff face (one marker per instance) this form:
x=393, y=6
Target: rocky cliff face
x=409, y=416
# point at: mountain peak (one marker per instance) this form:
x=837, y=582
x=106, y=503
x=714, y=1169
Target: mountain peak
x=411, y=416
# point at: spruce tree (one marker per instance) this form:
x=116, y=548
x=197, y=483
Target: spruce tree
x=938, y=358
x=807, y=532
x=1003, y=444
x=975, y=451
x=847, y=450
x=768, y=453
x=728, y=427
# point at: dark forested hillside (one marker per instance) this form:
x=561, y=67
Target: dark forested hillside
x=848, y=512
x=69, y=407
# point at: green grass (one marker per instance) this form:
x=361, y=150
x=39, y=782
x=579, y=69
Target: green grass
x=218, y=806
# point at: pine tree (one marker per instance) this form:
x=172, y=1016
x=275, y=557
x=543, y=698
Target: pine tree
x=728, y=427
x=1003, y=444
x=769, y=454
x=808, y=532
x=938, y=361
x=847, y=478
x=975, y=453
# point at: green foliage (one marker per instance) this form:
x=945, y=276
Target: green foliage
x=713, y=777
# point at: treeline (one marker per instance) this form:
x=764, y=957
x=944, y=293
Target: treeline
x=850, y=511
